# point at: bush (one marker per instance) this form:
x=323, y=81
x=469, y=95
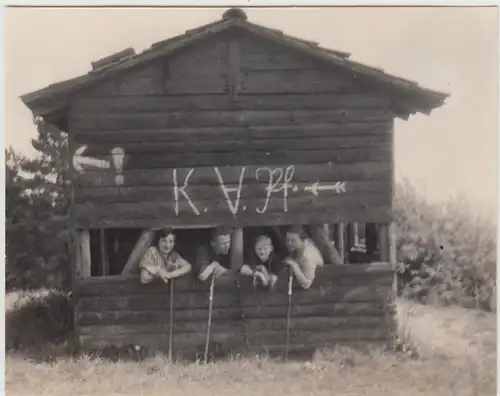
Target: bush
x=445, y=254
x=34, y=321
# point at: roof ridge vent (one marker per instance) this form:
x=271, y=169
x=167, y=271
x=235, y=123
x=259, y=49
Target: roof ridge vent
x=112, y=59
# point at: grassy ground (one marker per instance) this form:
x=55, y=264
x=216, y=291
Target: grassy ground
x=457, y=349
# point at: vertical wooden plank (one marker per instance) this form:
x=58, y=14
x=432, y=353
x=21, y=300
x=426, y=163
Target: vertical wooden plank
x=355, y=233
x=104, y=253
x=349, y=236
x=327, y=230
x=237, y=249
x=234, y=69
x=138, y=251
x=393, y=256
x=340, y=241
x=85, y=258
x=383, y=242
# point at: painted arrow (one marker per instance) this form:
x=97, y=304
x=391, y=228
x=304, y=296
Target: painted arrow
x=79, y=160
x=315, y=188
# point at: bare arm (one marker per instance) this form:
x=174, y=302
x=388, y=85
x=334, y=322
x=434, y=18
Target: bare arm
x=305, y=275
x=183, y=269
x=246, y=270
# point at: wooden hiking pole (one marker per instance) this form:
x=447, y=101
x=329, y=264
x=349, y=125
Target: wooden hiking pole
x=290, y=281
x=210, y=303
x=243, y=319
x=171, y=319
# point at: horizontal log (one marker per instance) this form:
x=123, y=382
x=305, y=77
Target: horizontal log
x=295, y=81
x=216, y=193
x=372, y=214
x=102, y=317
x=160, y=103
x=223, y=300
x=240, y=118
x=196, y=341
x=213, y=144
x=380, y=152
x=248, y=212
x=286, y=131
x=360, y=171
x=330, y=276
x=254, y=327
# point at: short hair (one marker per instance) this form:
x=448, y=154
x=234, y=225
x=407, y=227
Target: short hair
x=263, y=238
x=299, y=230
x=218, y=231
x=162, y=233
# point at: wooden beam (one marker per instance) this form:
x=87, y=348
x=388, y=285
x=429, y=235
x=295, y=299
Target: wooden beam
x=140, y=248
x=320, y=235
x=104, y=253
x=340, y=241
x=237, y=249
x=234, y=70
x=383, y=242
x=84, y=253
x=393, y=258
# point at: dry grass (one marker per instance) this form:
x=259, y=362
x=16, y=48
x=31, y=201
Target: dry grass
x=456, y=347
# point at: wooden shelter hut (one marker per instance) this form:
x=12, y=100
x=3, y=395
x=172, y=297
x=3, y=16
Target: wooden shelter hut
x=236, y=124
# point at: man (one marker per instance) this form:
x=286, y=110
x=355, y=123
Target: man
x=304, y=257
x=214, y=258
x=264, y=265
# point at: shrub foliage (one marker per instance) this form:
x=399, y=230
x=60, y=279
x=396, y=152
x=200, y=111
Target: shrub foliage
x=446, y=254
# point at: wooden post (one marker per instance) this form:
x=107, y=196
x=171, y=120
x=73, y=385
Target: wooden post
x=104, y=254
x=393, y=257
x=355, y=231
x=140, y=248
x=85, y=258
x=383, y=242
x=340, y=242
x=237, y=249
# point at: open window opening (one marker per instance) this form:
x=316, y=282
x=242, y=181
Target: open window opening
x=111, y=250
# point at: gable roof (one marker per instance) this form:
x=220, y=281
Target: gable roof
x=55, y=97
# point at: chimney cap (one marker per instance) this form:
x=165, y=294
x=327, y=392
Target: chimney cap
x=234, y=13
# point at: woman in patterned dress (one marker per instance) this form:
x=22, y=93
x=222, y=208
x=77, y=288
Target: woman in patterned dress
x=162, y=260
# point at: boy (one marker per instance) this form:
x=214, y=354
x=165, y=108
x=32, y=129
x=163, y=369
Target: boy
x=214, y=258
x=264, y=265
x=304, y=257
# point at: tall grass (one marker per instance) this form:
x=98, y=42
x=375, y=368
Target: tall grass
x=447, y=253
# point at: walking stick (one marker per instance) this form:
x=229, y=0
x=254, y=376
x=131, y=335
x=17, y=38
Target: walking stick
x=211, y=298
x=171, y=319
x=243, y=319
x=290, y=280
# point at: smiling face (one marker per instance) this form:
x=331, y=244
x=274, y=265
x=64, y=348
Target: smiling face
x=167, y=243
x=263, y=249
x=293, y=242
x=221, y=243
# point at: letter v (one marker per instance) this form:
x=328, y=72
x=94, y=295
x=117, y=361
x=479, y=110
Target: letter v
x=233, y=206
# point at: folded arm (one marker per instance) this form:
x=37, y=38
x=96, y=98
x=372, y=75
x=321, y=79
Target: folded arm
x=183, y=268
x=304, y=273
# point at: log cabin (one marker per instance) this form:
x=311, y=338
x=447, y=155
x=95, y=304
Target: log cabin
x=231, y=123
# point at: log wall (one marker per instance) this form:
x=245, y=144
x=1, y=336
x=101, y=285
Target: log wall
x=345, y=304
x=208, y=132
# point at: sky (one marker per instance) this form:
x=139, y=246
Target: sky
x=450, y=49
